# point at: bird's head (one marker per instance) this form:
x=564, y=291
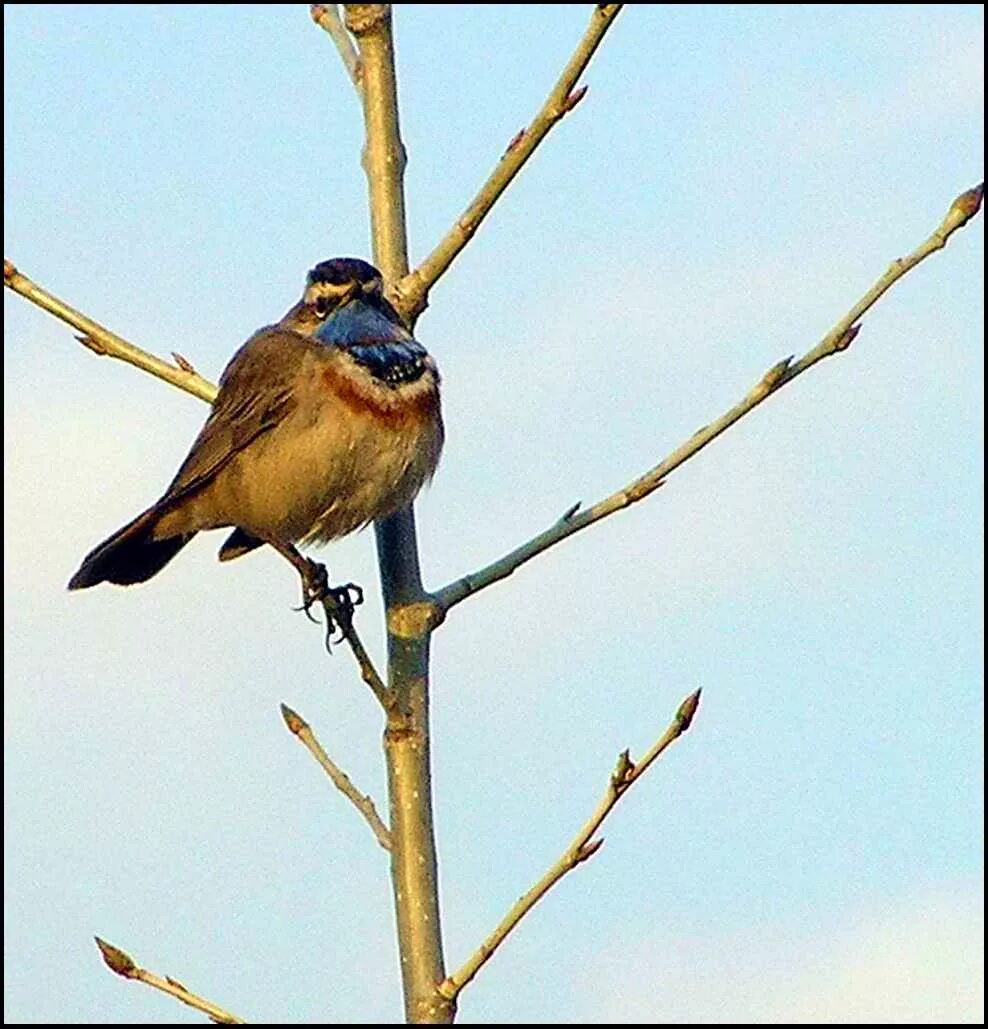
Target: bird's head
x=332, y=286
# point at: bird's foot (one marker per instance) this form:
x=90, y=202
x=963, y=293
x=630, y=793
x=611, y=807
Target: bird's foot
x=315, y=585
x=339, y=603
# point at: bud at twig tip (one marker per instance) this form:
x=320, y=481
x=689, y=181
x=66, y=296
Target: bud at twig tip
x=9, y=270
x=295, y=722
x=687, y=710
x=967, y=205
x=116, y=960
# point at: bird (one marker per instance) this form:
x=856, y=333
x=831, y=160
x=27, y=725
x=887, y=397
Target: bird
x=324, y=422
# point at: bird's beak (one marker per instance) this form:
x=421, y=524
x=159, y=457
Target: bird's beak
x=361, y=320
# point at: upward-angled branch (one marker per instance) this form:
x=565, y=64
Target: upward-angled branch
x=124, y=965
x=102, y=341
x=582, y=848
x=840, y=337
x=361, y=801
x=327, y=17
x=411, y=295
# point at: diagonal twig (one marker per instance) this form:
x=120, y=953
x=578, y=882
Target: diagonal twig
x=102, y=341
x=368, y=671
x=327, y=17
x=583, y=847
x=411, y=294
x=840, y=337
x=361, y=801
x=123, y=964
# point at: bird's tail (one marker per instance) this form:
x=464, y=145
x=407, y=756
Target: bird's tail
x=130, y=555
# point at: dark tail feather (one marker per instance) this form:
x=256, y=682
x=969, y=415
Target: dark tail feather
x=237, y=544
x=130, y=555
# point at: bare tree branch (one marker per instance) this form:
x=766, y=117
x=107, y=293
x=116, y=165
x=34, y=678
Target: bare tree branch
x=414, y=863
x=327, y=17
x=361, y=801
x=368, y=672
x=840, y=337
x=411, y=295
x=626, y=773
x=102, y=341
x=123, y=964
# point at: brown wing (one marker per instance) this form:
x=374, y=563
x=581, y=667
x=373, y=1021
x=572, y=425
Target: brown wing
x=257, y=390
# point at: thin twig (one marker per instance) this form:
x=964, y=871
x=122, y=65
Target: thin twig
x=411, y=294
x=840, y=337
x=102, y=341
x=626, y=773
x=361, y=801
x=327, y=17
x=123, y=964
x=368, y=672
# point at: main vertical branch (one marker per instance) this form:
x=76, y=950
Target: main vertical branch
x=414, y=871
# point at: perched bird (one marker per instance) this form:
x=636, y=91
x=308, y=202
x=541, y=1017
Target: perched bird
x=322, y=423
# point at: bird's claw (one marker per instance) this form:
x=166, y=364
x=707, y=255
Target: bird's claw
x=339, y=603
x=315, y=586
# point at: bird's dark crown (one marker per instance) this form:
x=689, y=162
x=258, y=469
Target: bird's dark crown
x=340, y=271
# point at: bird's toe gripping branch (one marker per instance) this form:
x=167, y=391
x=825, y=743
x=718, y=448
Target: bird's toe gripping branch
x=339, y=603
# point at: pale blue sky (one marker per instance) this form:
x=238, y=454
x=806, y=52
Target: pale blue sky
x=735, y=179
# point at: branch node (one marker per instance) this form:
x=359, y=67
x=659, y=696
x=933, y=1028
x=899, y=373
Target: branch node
x=847, y=338
x=574, y=98
x=184, y=363
x=624, y=770
x=587, y=851
x=516, y=141
x=570, y=511
x=362, y=19
x=94, y=345
x=775, y=374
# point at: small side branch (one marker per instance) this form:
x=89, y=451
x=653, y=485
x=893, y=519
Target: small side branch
x=123, y=964
x=411, y=294
x=361, y=801
x=327, y=17
x=368, y=672
x=103, y=342
x=626, y=773
x=840, y=337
